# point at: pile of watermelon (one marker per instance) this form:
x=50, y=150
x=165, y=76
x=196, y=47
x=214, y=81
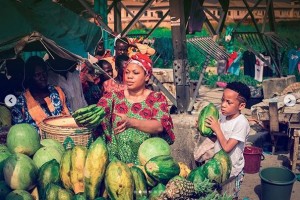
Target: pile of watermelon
x=31, y=168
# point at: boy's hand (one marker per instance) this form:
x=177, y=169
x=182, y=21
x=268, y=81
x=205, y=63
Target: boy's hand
x=212, y=123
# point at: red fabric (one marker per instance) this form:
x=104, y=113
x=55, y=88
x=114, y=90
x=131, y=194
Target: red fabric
x=144, y=60
x=231, y=58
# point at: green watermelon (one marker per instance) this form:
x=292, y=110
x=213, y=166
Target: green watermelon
x=20, y=172
x=46, y=154
x=140, y=183
x=225, y=161
x=207, y=111
x=162, y=168
x=54, y=191
x=23, y=138
x=4, y=189
x=19, y=195
x=213, y=170
x=157, y=191
x=196, y=175
x=53, y=143
x=4, y=154
x=48, y=173
x=153, y=147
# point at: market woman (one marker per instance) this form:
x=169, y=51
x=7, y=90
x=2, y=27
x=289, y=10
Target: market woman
x=39, y=100
x=136, y=113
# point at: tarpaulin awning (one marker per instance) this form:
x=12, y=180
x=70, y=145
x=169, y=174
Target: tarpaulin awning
x=22, y=20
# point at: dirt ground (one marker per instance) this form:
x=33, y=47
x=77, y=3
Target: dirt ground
x=251, y=186
x=184, y=144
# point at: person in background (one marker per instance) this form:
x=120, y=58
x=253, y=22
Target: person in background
x=39, y=100
x=117, y=83
x=95, y=89
x=135, y=114
x=232, y=129
x=11, y=78
x=63, y=73
x=100, y=52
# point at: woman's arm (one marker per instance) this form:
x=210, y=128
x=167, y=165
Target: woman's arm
x=147, y=126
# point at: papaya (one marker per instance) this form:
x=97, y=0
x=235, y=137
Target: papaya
x=119, y=181
x=207, y=111
x=78, y=156
x=95, y=165
x=65, y=168
x=162, y=168
x=48, y=173
x=184, y=170
x=140, y=183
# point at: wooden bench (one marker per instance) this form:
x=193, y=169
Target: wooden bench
x=294, y=141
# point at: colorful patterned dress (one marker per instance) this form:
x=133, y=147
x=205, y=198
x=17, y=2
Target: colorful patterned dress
x=125, y=145
x=58, y=106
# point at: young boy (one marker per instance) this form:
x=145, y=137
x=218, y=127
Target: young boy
x=232, y=129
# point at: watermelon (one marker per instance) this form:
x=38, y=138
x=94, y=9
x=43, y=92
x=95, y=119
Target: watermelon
x=46, y=154
x=4, y=154
x=140, y=183
x=213, y=170
x=48, y=173
x=20, y=172
x=162, y=168
x=19, y=195
x=53, y=143
x=157, y=191
x=226, y=164
x=4, y=189
x=196, y=175
x=23, y=138
x=153, y=147
x=207, y=111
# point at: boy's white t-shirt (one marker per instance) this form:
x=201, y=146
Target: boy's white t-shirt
x=237, y=128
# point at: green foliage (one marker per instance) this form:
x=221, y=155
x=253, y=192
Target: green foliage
x=211, y=79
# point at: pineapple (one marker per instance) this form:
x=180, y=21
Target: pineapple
x=179, y=189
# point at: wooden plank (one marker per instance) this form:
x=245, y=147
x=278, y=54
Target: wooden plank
x=274, y=120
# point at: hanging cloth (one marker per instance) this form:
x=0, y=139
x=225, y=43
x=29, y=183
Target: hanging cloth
x=294, y=58
x=259, y=69
x=234, y=68
x=249, y=63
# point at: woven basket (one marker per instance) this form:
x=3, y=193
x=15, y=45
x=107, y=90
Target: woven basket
x=65, y=130
x=3, y=134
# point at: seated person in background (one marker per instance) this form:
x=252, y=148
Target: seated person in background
x=117, y=83
x=39, y=100
x=63, y=73
x=232, y=130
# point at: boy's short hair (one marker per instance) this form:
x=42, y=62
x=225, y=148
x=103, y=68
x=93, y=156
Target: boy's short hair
x=242, y=89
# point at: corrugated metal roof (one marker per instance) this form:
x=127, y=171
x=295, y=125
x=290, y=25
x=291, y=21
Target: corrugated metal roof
x=208, y=46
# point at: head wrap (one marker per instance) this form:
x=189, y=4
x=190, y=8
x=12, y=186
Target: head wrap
x=142, y=60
